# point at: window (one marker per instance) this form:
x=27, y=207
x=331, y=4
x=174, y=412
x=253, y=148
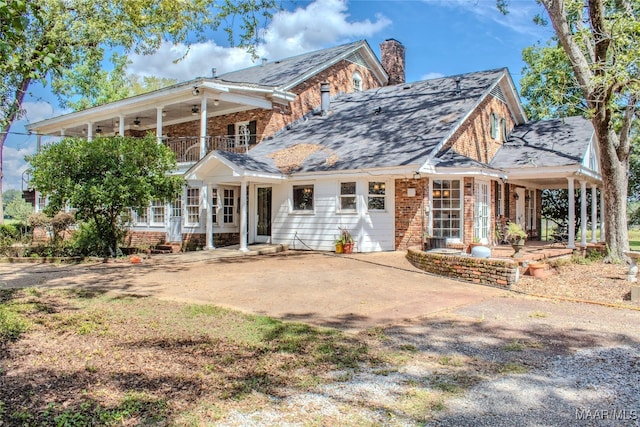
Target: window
x=243, y=134
x=193, y=206
x=377, y=191
x=176, y=206
x=530, y=209
x=494, y=125
x=481, y=212
x=348, y=196
x=142, y=216
x=303, y=197
x=503, y=129
x=357, y=82
x=447, y=208
x=215, y=205
x=42, y=202
x=157, y=212
x=228, y=204
x=499, y=199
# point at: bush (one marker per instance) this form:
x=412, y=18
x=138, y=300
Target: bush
x=86, y=240
x=9, y=231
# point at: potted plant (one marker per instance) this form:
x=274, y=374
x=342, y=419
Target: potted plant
x=339, y=245
x=476, y=242
x=516, y=236
x=347, y=241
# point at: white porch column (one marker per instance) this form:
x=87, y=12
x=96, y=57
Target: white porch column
x=594, y=214
x=63, y=132
x=209, y=206
x=243, y=217
x=571, y=226
x=602, y=212
x=38, y=142
x=203, y=126
x=89, y=131
x=121, y=125
x=583, y=214
x=159, y=124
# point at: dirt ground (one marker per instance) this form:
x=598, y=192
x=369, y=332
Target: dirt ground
x=360, y=291
x=456, y=353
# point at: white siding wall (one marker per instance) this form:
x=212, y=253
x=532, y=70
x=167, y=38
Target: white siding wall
x=372, y=231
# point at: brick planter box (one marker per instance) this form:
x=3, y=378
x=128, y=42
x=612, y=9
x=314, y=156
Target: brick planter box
x=487, y=271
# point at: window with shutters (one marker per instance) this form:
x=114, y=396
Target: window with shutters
x=243, y=134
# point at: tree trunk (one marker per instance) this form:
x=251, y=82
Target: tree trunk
x=8, y=119
x=614, y=179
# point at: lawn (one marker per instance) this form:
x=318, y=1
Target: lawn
x=76, y=358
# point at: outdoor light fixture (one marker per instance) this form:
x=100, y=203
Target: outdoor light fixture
x=195, y=110
x=195, y=91
x=516, y=196
x=164, y=113
x=98, y=129
x=136, y=123
x=416, y=175
x=216, y=102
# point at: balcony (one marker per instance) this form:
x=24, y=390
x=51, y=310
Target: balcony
x=187, y=148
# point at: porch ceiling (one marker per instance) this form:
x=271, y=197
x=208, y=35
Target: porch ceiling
x=145, y=118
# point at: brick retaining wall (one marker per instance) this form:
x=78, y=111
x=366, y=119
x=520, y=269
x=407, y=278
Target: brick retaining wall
x=495, y=272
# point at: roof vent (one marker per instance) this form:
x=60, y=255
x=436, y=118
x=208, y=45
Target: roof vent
x=325, y=100
x=214, y=72
x=377, y=110
x=264, y=61
x=458, y=79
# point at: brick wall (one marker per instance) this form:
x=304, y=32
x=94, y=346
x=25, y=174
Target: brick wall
x=410, y=218
x=486, y=271
x=473, y=138
x=144, y=238
x=268, y=122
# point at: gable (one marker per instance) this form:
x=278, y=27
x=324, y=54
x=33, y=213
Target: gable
x=286, y=74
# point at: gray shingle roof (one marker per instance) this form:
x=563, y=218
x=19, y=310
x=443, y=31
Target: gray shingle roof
x=547, y=143
x=281, y=73
x=248, y=163
x=385, y=127
x=451, y=158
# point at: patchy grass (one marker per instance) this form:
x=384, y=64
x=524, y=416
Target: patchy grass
x=100, y=359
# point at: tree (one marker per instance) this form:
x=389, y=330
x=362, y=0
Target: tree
x=601, y=39
x=18, y=209
x=42, y=40
x=9, y=196
x=104, y=179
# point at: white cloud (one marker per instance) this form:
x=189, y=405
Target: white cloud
x=318, y=25
x=432, y=75
x=39, y=110
x=14, y=165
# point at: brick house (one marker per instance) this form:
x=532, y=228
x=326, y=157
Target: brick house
x=290, y=151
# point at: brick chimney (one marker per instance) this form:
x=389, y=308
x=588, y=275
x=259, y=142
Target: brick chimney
x=393, y=60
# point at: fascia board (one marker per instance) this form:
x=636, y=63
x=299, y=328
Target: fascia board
x=494, y=173
x=84, y=116
x=354, y=173
x=515, y=99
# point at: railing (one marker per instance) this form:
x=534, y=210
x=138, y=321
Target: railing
x=187, y=148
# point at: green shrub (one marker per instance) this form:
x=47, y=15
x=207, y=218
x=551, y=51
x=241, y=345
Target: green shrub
x=10, y=231
x=86, y=240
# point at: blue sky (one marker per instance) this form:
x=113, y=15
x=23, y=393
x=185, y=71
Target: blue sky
x=442, y=37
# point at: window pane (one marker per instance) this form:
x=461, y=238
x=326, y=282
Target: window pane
x=376, y=203
x=348, y=202
x=348, y=188
x=302, y=197
x=377, y=188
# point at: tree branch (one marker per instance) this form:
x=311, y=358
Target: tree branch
x=624, y=146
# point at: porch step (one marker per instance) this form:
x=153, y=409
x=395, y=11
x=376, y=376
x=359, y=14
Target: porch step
x=167, y=248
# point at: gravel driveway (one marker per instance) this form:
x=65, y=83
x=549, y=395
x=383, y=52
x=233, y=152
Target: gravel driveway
x=466, y=354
